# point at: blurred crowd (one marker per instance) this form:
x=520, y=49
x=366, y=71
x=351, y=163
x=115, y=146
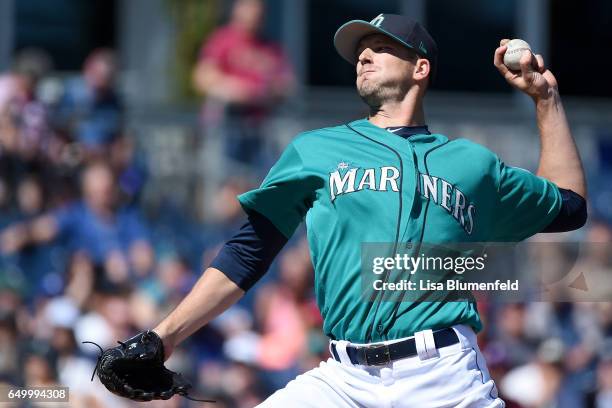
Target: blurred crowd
x=83, y=258
x=82, y=261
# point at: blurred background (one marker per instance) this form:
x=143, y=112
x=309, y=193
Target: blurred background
x=127, y=128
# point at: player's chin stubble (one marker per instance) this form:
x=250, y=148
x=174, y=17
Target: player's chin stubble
x=377, y=94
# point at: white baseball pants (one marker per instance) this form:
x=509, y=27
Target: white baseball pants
x=455, y=377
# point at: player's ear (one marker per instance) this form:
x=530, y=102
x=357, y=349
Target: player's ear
x=422, y=69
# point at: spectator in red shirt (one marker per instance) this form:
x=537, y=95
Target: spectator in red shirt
x=243, y=77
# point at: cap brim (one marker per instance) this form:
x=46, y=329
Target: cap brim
x=348, y=36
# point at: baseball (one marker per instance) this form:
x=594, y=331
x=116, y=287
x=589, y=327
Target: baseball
x=513, y=53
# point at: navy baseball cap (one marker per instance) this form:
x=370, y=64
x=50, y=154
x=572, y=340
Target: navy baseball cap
x=402, y=29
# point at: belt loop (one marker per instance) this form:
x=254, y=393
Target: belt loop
x=419, y=341
x=430, y=344
x=425, y=344
x=341, y=350
x=332, y=350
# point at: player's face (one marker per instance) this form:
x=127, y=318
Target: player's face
x=384, y=69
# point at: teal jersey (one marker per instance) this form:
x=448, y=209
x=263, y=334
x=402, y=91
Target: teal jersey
x=359, y=183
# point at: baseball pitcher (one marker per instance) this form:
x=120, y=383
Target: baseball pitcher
x=388, y=179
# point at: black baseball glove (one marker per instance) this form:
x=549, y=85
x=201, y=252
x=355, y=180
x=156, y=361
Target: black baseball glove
x=135, y=370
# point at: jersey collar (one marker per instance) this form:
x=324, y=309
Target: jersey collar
x=407, y=131
x=424, y=139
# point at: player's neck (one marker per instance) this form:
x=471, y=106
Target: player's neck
x=408, y=112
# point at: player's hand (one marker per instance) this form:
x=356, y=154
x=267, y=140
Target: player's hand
x=533, y=79
x=167, y=340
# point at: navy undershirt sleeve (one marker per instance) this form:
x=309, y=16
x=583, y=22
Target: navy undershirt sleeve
x=246, y=257
x=573, y=213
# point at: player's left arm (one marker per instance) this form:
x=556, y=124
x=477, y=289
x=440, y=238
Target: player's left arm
x=559, y=158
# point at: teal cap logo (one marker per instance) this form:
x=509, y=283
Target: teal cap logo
x=422, y=47
x=377, y=21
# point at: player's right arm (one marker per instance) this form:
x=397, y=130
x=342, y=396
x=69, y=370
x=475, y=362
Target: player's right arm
x=212, y=294
x=242, y=261
x=274, y=210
